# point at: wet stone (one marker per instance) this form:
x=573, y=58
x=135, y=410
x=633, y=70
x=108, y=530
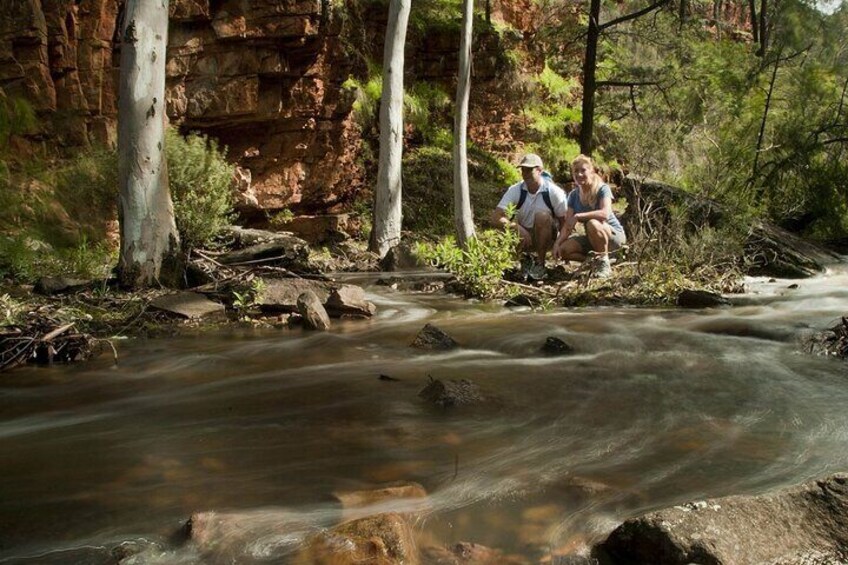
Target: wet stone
x=700, y=299
x=555, y=346
x=523, y=300
x=451, y=393
x=432, y=338
x=314, y=315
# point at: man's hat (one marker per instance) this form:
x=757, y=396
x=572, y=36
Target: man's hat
x=531, y=160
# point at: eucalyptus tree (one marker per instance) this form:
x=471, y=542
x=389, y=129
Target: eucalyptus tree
x=387, y=194
x=590, y=65
x=150, y=248
x=463, y=219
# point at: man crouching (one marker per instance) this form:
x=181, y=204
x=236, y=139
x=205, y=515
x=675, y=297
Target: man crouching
x=540, y=211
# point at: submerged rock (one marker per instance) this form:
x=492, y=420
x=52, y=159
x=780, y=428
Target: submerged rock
x=797, y=525
x=406, y=498
x=465, y=553
x=432, y=338
x=701, y=299
x=556, y=346
x=451, y=393
x=280, y=295
x=384, y=539
x=830, y=342
x=523, y=300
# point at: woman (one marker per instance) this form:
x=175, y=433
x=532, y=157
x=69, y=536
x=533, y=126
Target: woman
x=590, y=204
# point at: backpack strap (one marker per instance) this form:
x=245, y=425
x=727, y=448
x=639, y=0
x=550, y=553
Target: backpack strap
x=546, y=196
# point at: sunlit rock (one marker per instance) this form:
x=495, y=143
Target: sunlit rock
x=384, y=539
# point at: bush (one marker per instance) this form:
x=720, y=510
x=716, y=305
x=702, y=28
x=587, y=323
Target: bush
x=201, y=187
x=481, y=265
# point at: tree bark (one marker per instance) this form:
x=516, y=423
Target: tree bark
x=387, y=195
x=755, y=26
x=150, y=249
x=587, y=123
x=764, y=35
x=463, y=220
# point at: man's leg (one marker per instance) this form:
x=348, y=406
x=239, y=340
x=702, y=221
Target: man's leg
x=542, y=235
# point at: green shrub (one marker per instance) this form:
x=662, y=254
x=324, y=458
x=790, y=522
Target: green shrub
x=481, y=265
x=26, y=259
x=201, y=187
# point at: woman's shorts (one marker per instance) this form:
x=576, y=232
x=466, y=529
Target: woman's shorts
x=616, y=240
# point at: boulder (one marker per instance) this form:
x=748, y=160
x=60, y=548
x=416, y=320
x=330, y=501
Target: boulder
x=384, y=539
x=797, y=525
x=189, y=305
x=555, y=346
x=701, y=299
x=432, y=338
x=314, y=315
x=402, y=257
x=349, y=300
x=280, y=295
x=833, y=341
x=451, y=393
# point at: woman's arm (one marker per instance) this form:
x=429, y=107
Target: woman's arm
x=601, y=214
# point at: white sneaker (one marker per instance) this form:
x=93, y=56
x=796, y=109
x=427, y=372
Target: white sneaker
x=537, y=272
x=604, y=269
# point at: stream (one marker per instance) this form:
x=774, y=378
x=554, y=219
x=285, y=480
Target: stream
x=657, y=407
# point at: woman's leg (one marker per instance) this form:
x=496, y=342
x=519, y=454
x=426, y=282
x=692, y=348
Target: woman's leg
x=571, y=250
x=599, y=234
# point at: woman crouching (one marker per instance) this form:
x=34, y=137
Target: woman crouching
x=590, y=204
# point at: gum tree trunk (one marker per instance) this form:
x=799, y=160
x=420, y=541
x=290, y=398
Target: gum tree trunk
x=387, y=195
x=587, y=123
x=463, y=219
x=150, y=249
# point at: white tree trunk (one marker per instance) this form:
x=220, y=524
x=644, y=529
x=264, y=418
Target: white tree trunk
x=462, y=217
x=387, y=195
x=149, y=239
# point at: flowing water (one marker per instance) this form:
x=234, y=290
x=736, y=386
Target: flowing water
x=657, y=407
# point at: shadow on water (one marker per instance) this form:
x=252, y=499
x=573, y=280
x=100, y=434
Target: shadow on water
x=656, y=407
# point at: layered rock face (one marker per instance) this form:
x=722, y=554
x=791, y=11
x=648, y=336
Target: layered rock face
x=263, y=76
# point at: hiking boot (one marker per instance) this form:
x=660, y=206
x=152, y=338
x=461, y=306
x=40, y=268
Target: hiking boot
x=603, y=270
x=537, y=272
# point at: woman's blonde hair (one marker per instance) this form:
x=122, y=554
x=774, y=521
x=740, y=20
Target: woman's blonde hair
x=596, y=179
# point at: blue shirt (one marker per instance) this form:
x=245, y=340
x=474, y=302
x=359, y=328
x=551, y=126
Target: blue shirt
x=603, y=192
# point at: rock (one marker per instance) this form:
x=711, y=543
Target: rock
x=319, y=229
x=556, y=346
x=402, y=257
x=451, y=393
x=349, y=300
x=384, y=539
x=189, y=305
x=58, y=285
x=280, y=295
x=407, y=498
x=432, y=338
x=249, y=536
x=314, y=315
x=523, y=300
x=801, y=524
x=700, y=299
x=833, y=341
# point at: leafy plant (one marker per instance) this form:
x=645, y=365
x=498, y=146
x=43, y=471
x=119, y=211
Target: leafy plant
x=481, y=265
x=246, y=299
x=10, y=310
x=201, y=187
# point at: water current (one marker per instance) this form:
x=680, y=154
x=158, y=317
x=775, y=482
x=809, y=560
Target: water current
x=656, y=407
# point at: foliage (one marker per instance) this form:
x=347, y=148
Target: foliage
x=481, y=265
x=10, y=311
x=26, y=259
x=201, y=182
x=281, y=218
x=428, y=187
x=246, y=299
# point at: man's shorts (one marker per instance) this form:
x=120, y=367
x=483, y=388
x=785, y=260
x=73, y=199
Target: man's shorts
x=616, y=240
x=554, y=233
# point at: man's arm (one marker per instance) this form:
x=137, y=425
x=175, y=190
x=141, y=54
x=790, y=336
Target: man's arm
x=499, y=219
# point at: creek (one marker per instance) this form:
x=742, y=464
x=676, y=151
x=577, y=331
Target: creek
x=657, y=407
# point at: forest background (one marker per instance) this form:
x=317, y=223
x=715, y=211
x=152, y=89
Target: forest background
x=743, y=103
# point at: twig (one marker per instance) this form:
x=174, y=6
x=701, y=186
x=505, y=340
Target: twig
x=57, y=332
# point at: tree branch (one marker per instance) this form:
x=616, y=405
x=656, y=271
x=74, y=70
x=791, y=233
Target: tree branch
x=634, y=15
x=626, y=83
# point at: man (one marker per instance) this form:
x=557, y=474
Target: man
x=540, y=211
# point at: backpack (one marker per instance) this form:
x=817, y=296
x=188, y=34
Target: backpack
x=546, y=195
